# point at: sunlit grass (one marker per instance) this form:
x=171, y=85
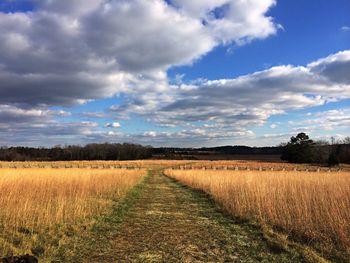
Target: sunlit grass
x=312, y=207
x=36, y=201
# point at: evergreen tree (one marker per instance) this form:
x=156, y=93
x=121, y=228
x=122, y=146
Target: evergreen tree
x=299, y=149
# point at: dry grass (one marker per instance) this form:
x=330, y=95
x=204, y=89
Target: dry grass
x=35, y=197
x=196, y=164
x=93, y=164
x=313, y=207
x=35, y=201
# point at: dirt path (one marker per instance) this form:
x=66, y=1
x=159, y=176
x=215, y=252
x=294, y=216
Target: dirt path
x=172, y=223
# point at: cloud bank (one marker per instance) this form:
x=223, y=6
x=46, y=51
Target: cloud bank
x=250, y=99
x=66, y=52
x=70, y=52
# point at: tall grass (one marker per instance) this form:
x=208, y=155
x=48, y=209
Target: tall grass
x=196, y=164
x=91, y=164
x=313, y=207
x=36, y=197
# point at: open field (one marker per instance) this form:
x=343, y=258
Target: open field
x=107, y=211
x=310, y=207
x=176, y=164
x=93, y=164
x=40, y=207
x=169, y=222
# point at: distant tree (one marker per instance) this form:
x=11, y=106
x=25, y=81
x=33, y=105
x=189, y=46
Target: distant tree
x=105, y=151
x=321, y=151
x=333, y=159
x=299, y=149
x=346, y=140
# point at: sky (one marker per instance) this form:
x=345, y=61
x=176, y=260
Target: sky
x=173, y=72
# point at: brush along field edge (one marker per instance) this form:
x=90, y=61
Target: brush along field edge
x=309, y=207
x=40, y=207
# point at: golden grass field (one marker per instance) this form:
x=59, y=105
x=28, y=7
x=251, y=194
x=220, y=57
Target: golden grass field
x=193, y=164
x=44, y=206
x=312, y=207
x=93, y=164
x=37, y=201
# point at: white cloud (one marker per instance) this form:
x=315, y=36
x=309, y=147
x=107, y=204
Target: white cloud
x=114, y=125
x=250, y=99
x=336, y=68
x=330, y=120
x=232, y=20
x=211, y=111
x=322, y=124
x=345, y=28
x=11, y=115
x=69, y=7
x=40, y=127
x=82, y=50
x=68, y=52
x=93, y=114
x=191, y=138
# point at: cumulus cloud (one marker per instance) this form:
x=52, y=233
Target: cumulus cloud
x=335, y=68
x=11, y=115
x=232, y=20
x=39, y=127
x=249, y=99
x=66, y=52
x=46, y=133
x=321, y=125
x=329, y=120
x=69, y=7
x=112, y=125
x=93, y=114
x=191, y=137
x=345, y=28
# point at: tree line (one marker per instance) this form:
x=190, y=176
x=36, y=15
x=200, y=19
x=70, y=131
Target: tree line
x=302, y=149
x=105, y=151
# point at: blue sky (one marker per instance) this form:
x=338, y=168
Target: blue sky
x=311, y=31
x=173, y=73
